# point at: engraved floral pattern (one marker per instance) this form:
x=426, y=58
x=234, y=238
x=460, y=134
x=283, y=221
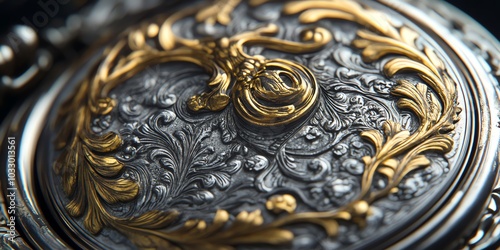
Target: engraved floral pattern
x=188, y=167
x=184, y=161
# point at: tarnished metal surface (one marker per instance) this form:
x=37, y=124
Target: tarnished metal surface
x=263, y=124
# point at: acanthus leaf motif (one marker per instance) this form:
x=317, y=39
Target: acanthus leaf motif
x=398, y=151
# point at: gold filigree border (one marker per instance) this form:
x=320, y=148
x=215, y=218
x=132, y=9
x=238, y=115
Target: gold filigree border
x=90, y=178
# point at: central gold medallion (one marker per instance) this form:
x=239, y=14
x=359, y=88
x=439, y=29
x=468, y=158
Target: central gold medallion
x=264, y=92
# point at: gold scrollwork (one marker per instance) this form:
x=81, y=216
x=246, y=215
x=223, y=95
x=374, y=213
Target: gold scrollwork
x=260, y=94
x=90, y=179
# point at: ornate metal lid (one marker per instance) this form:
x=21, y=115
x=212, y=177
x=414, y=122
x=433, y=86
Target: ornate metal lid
x=324, y=124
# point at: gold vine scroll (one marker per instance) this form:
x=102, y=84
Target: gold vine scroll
x=90, y=179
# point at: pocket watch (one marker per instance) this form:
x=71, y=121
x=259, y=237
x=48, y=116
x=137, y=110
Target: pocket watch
x=258, y=124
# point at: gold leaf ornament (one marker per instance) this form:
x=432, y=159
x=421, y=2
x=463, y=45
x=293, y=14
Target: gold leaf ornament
x=91, y=178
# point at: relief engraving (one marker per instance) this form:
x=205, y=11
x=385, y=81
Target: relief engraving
x=257, y=127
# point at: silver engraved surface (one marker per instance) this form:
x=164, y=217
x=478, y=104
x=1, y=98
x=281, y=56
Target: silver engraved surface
x=200, y=162
x=483, y=230
x=486, y=233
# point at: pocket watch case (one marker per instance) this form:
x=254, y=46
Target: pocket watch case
x=261, y=124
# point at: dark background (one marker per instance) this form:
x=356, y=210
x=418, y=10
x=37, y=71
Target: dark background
x=486, y=12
